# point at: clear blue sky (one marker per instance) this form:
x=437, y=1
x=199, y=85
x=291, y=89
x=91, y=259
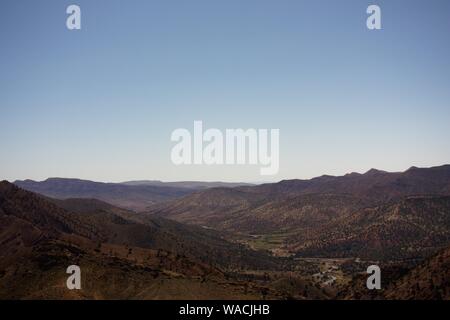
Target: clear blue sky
x=101, y=103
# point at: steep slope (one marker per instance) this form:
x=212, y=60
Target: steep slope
x=428, y=281
x=414, y=227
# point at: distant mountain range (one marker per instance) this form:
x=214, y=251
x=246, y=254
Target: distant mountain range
x=132, y=195
x=197, y=185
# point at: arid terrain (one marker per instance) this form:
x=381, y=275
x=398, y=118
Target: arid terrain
x=296, y=239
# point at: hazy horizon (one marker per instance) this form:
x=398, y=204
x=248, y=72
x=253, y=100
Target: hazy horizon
x=218, y=181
